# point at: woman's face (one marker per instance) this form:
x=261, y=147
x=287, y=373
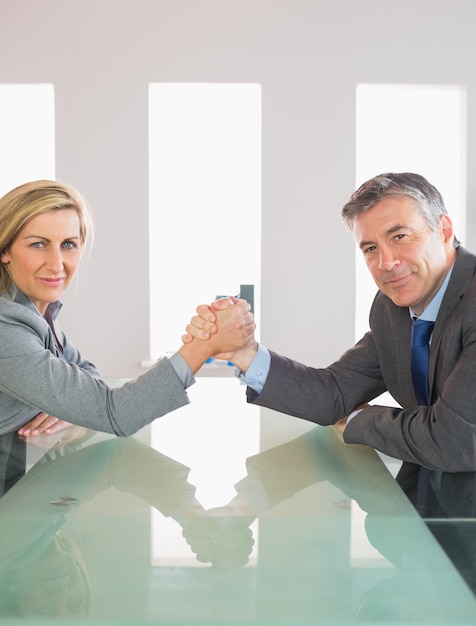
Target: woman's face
x=44, y=256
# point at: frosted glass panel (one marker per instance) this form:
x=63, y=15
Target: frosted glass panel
x=410, y=128
x=205, y=199
x=27, y=134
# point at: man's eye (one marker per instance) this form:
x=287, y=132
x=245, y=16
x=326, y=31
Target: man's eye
x=368, y=250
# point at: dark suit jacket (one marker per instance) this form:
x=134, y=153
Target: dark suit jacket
x=441, y=436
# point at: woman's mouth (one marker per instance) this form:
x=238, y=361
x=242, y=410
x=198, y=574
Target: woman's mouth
x=52, y=282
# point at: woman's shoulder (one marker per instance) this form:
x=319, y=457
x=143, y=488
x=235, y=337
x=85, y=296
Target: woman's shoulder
x=12, y=310
x=22, y=329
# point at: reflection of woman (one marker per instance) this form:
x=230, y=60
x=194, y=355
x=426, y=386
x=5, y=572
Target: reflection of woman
x=44, y=380
x=42, y=572
x=55, y=584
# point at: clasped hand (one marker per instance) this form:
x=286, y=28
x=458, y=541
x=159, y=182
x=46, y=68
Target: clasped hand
x=229, y=325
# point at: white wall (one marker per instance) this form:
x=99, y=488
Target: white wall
x=308, y=55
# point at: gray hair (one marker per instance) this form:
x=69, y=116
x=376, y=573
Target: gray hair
x=428, y=199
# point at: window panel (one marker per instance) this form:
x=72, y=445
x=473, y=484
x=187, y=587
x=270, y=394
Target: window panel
x=205, y=199
x=27, y=134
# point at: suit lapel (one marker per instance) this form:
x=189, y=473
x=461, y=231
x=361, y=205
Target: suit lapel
x=461, y=277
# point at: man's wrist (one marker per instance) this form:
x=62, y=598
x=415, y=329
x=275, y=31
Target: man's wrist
x=257, y=372
x=243, y=358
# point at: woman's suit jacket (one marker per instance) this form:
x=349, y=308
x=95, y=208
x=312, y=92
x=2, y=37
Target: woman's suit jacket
x=36, y=376
x=441, y=436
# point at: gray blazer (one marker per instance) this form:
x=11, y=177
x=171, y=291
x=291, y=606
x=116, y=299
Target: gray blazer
x=35, y=376
x=441, y=436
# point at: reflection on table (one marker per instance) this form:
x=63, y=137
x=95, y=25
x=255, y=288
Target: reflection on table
x=76, y=527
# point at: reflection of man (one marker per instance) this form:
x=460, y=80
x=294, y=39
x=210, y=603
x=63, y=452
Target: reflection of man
x=451, y=516
x=400, y=223
x=318, y=456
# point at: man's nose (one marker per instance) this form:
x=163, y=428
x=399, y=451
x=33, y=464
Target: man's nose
x=388, y=261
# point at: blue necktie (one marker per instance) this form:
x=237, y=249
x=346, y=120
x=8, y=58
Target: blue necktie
x=421, y=333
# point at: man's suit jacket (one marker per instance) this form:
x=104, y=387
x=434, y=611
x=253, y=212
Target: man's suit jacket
x=441, y=436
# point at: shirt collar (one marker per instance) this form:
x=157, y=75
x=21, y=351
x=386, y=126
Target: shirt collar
x=431, y=311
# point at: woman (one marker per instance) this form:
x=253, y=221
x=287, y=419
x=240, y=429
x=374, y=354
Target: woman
x=45, y=382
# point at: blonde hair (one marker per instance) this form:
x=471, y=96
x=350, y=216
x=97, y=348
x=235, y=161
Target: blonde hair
x=20, y=205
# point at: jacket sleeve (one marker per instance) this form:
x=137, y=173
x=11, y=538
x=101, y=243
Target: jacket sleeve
x=441, y=436
x=31, y=376
x=322, y=395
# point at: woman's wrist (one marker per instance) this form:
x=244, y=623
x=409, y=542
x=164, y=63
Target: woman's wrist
x=195, y=354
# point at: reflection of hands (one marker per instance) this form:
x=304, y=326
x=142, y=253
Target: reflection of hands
x=42, y=423
x=339, y=428
x=225, y=542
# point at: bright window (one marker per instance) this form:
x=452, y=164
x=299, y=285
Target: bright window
x=205, y=241
x=205, y=200
x=27, y=134
x=410, y=128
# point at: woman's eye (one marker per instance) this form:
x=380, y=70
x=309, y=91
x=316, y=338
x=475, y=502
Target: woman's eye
x=37, y=244
x=70, y=245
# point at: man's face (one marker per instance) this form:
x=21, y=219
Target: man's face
x=407, y=260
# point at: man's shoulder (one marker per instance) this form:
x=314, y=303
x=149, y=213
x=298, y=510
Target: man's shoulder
x=463, y=276
x=465, y=262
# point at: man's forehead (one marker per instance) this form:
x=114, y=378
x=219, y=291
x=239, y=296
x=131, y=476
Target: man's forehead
x=388, y=216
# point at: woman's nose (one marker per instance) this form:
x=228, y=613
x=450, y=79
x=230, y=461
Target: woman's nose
x=54, y=260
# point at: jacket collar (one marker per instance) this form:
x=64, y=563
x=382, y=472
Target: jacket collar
x=19, y=297
x=463, y=273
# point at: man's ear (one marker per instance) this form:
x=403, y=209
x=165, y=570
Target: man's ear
x=447, y=228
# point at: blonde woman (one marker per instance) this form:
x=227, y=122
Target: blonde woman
x=45, y=382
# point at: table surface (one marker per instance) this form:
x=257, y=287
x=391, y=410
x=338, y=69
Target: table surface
x=224, y=513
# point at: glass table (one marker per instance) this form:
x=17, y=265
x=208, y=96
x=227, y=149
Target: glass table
x=223, y=513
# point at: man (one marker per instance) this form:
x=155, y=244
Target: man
x=402, y=227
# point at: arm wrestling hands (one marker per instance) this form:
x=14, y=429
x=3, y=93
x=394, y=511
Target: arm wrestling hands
x=229, y=325
x=205, y=324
